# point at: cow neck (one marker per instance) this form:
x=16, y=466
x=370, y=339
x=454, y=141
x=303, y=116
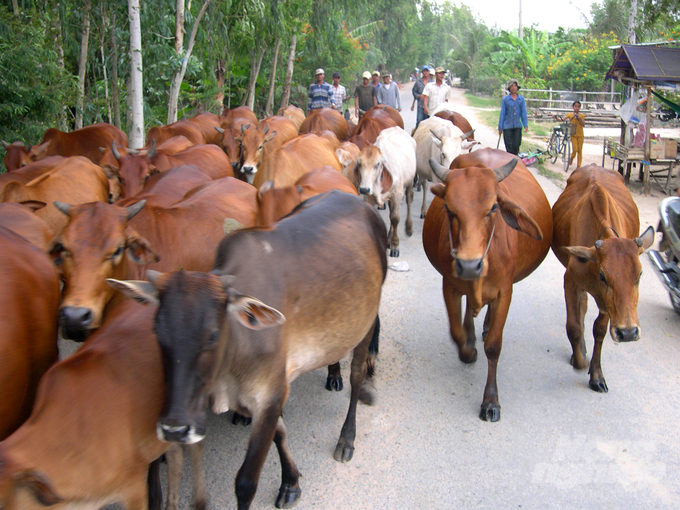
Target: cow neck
x=454, y=251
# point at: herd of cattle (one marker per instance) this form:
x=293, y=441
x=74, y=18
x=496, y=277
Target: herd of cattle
x=250, y=260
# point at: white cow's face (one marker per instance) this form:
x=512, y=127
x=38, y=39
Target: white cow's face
x=450, y=147
x=372, y=173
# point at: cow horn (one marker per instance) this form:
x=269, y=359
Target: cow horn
x=114, y=151
x=243, y=128
x=63, y=207
x=266, y=128
x=439, y=170
x=639, y=242
x=219, y=130
x=505, y=170
x=599, y=243
x=468, y=134
x=5, y=144
x=435, y=135
x=153, y=276
x=134, y=209
x=152, y=151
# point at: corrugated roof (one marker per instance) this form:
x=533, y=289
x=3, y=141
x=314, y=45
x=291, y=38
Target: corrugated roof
x=646, y=63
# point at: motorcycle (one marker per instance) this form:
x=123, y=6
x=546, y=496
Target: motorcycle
x=666, y=261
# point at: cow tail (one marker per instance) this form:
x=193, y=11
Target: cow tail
x=373, y=348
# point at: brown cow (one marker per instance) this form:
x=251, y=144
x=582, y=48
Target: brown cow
x=295, y=158
x=243, y=352
x=371, y=124
x=459, y=121
x=294, y=113
x=81, y=142
x=166, y=188
x=159, y=134
x=26, y=174
x=596, y=227
x=16, y=155
x=487, y=227
x=259, y=142
x=207, y=122
x=275, y=203
x=323, y=119
x=184, y=235
x=135, y=169
x=396, y=116
x=28, y=326
x=92, y=434
x=21, y=219
x=76, y=180
x=230, y=116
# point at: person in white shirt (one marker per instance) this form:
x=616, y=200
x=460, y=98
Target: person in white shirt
x=388, y=93
x=436, y=92
x=339, y=93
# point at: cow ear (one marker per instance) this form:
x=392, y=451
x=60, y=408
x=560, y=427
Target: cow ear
x=270, y=137
x=582, y=253
x=254, y=314
x=645, y=240
x=38, y=485
x=439, y=190
x=516, y=217
x=14, y=192
x=141, y=291
x=386, y=179
x=139, y=249
x=38, y=150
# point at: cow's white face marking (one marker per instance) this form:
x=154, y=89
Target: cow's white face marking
x=267, y=247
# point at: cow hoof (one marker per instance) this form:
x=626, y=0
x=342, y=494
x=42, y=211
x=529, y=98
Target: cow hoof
x=366, y=395
x=334, y=383
x=200, y=505
x=598, y=385
x=288, y=496
x=394, y=253
x=343, y=452
x=575, y=366
x=490, y=412
x=382, y=207
x=468, y=356
x=238, y=418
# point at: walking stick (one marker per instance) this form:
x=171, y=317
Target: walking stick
x=499, y=141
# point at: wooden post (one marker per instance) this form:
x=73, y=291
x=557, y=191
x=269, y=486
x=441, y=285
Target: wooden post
x=648, y=144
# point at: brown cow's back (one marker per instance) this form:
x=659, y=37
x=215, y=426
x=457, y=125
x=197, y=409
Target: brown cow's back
x=396, y=116
x=28, y=325
x=29, y=172
x=183, y=127
x=457, y=120
x=166, y=188
x=85, y=142
x=285, y=130
x=21, y=220
x=297, y=115
x=207, y=122
x=323, y=119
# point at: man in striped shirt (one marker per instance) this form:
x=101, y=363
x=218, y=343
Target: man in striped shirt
x=320, y=93
x=435, y=92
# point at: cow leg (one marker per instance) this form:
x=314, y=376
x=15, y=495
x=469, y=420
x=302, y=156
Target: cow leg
x=345, y=447
x=409, y=201
x=136, y=496
x=289, y=492
x=469, y=325
x=423, y=209
x=597, y=381
x=577, y=305
x=175, y=459
x=248, y=476
x=460, y=335
x=154, y=485
x=334, y=379
x=395, y=215
x=493, y=342
x=196, y=452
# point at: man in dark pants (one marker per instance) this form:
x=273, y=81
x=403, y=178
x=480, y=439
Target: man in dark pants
x=513, y=117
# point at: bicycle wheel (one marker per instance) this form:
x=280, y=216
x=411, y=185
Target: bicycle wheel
x=553, y=147
x=566, y=153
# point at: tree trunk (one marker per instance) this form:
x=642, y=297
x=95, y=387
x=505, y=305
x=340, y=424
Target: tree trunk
x=101, y=49
x=59, y=46
x=179, y=27
x=115, y=90
x=268, y=111
x=82, y=65
x=254, y=73
x=285, y=98
x=135, y=91
x=15, y=7
x=631, y=22
x=220, y=74
x=177, y=79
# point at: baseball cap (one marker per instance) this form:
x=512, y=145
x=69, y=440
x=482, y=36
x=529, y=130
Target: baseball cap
x=376, y=73
x=366, y=75
x=386, y=74
x=319, y=71
x=439, y=70
x=425, y=68
x=336, y=75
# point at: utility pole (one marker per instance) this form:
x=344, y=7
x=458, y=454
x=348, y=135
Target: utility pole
x=521, y=28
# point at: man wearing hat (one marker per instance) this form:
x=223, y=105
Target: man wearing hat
x=417, y=92
x=388, y=93
x=513, y=117
x=339, y=92
x=375, y=80
x=365, y=95
x=436, y=92
x=320, y=93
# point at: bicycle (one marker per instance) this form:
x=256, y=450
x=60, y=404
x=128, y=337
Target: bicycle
x=532, y=157
x=559, y=143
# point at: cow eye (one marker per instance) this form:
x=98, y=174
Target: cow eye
x=58, y=252
x=213, y=337
x=118, y=252
x=602, y=278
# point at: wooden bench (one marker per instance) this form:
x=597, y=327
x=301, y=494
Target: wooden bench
x=629, y=156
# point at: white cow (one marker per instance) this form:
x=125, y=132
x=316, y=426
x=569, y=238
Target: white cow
x=384, y=172
x=440, y=140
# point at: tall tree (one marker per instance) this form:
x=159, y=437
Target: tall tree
x=285, y=98
x=256, y=62
x=135, y=90
x=115, y=87
x=82, y=64
x=272, y=80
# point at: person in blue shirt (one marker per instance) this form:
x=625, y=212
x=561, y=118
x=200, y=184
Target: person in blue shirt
x=513, y=118
x=320, y=93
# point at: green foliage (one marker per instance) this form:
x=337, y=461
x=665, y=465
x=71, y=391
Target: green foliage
x=33, y=89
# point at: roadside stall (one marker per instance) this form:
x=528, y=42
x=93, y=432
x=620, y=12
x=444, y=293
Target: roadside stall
x=644, y=68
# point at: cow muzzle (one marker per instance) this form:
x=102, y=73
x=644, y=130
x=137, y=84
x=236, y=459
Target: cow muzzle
x=469, y=269
x=625, y=334
x=365, y=191
x=178, y=433
x=76, y=322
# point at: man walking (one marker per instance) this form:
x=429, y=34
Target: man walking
x=417, y=92
x=375, y=80
x=365, y=95
x=339, y=92
x=435, y=92
x=320, y=93
x=388, y=93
